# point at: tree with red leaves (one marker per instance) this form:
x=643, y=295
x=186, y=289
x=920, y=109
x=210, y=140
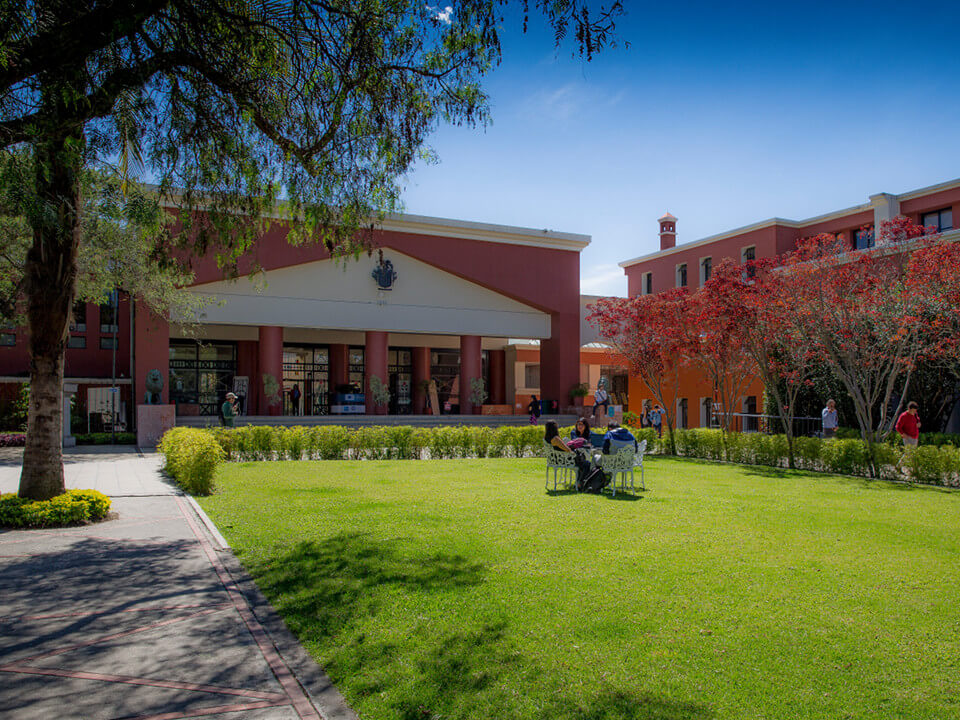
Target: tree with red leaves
x=870, y=315
x=719, y=347
x=757, y=302
x=651, y=333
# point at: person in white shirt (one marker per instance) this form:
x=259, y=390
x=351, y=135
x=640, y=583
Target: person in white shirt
x=831, y=420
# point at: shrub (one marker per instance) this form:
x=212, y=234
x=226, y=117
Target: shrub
x=13, y=440
x=936, y=465
x=331, y=441
x=845, y=457
x=191, y=457
x=227, y=440
x=400, y=442
x=293, y=441
x=481, y=440
x=419, y=441
x=70, y=508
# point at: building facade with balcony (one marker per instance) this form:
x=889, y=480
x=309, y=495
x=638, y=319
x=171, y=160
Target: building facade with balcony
x=690, y=264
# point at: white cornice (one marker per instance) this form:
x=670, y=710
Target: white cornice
x=782, y=222
x=929, y=190
x=463, y=229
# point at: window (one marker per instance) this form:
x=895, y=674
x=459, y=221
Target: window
x=108, y=319
x=747, y=256
x=108, y=343
x=682, y=413
x=864, y=238
x=647, y=284
x=77, y=342
x=7, y=339
x=682, y=275
x=79, y=324
x=706, y=265
x=531, y=375
x=939, y=220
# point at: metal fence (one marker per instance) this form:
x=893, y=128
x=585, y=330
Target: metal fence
x=768, y=424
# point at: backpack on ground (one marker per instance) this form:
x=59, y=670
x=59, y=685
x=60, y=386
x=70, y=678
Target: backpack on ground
x=593, y=482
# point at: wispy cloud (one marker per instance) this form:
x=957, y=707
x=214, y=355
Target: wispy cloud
x=570, y=100
x=603, y=279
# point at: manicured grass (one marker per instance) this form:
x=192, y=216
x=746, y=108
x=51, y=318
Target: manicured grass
x=461, y=589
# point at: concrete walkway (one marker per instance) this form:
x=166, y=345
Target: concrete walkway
x=145, y=616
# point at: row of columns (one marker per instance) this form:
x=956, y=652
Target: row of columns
x=265, y=397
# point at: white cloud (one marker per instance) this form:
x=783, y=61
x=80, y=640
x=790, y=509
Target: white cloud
x=445, y=16
x=603, y=279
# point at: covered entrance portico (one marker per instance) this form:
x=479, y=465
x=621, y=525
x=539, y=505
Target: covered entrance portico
x=310, y=336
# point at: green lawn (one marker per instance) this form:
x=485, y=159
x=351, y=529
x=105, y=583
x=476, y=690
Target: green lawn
x=461, y=589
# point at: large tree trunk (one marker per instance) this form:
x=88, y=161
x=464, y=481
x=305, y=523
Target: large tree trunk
x=51, y=272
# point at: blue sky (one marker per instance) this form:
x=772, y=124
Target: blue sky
x=721, y=115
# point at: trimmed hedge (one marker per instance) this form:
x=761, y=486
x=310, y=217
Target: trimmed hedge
x=73, y=507
x=925, y=464
x=192, y=455
x=191, y=458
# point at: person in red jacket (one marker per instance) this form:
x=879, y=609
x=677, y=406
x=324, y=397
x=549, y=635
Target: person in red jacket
x=909, y=426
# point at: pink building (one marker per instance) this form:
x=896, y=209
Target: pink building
x=689, y=264
x=438, y=300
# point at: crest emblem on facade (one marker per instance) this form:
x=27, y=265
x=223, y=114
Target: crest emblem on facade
x=384, y=274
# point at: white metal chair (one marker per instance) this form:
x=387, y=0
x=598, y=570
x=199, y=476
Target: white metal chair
x=564, y=469
x=622, y=464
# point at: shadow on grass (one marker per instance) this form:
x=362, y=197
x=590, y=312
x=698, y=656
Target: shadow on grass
x=320, y=587
x=459, y=667
x=617, y=704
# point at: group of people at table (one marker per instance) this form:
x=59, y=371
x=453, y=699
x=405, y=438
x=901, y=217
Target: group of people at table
x=581, y=442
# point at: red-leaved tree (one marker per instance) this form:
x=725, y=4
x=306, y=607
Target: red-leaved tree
x=870, y=315
x=651, y=333
x=758, y=302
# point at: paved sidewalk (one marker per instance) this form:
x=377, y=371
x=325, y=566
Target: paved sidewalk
x=144, y=616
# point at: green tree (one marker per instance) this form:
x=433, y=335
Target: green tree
x=230, y=105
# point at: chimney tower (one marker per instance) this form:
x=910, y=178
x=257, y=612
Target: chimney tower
x=668, y=231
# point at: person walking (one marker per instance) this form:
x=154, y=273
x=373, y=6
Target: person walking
x=295, y=398
x=908, y=425
x=656, y=420
x=228, y=411
x=830, y=419
x=534, y=409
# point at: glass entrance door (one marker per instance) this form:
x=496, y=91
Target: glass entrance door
x=306, y=380
x=400, y=370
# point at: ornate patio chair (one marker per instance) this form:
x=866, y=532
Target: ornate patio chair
x=620, y=466
x=564, y=469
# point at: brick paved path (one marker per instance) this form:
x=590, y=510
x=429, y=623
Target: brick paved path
x=142, y=617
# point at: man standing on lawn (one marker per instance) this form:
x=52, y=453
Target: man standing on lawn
x=908, y=425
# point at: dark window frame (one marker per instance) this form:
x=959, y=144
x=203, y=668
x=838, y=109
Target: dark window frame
x=939, y=224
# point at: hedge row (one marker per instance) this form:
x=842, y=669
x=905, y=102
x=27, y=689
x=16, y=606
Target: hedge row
x=192, y=454
x=73, y=507
x=926, y=464
x=392, y=442
x=191, y=457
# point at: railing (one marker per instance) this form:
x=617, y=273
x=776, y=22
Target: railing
x=768, y=424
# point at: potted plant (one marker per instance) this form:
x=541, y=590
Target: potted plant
x=478, y=393
x=578, y=392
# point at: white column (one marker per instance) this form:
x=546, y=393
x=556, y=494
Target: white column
x=885, y=208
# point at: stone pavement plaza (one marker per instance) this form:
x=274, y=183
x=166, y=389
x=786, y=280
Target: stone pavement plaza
x=145, y=616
